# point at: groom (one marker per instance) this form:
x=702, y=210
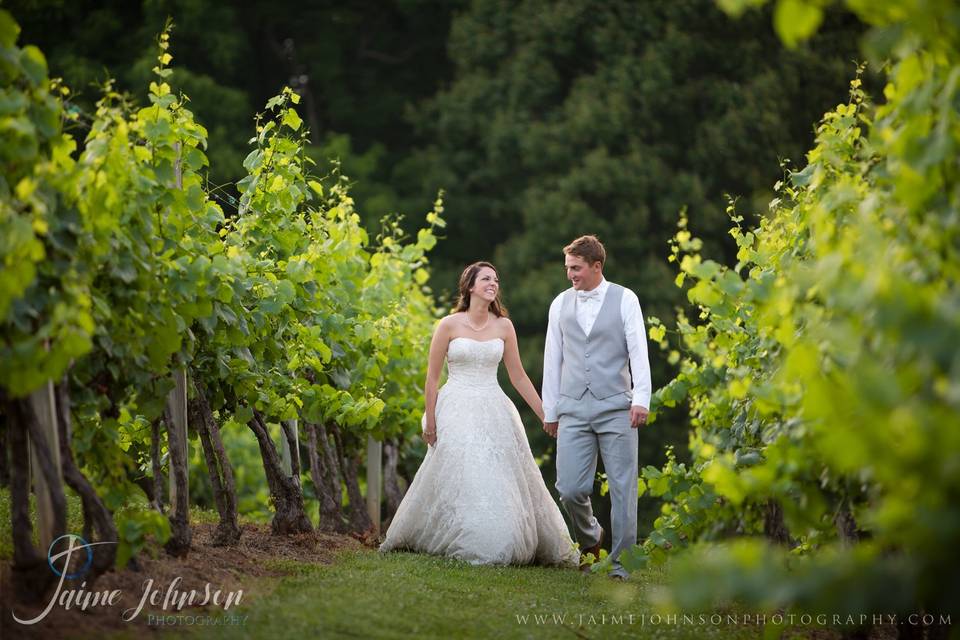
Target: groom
x=596, y=393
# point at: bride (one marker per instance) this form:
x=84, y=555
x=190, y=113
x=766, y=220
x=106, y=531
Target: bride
x=478, y=495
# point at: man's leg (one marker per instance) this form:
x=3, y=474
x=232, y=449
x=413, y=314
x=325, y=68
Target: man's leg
x=576, y=467
x=618, y=446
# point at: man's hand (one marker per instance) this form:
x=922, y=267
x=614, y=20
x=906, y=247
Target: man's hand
x=551, y=428
x=638, y=416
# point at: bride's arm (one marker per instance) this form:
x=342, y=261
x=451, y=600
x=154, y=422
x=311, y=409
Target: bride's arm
x=518, y=377
x=438, y=349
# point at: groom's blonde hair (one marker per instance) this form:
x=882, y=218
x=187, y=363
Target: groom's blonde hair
x=588, y=248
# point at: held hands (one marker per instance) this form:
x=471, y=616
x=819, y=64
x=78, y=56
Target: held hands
x=551, y=428
x=638, y=416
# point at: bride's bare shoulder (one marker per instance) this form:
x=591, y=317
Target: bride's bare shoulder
x=447, y=323
x=505, y=328
x=451, y=319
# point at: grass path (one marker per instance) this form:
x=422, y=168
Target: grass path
x=364, y=594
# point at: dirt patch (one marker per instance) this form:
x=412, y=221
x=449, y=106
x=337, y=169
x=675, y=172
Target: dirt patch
x=251, y=567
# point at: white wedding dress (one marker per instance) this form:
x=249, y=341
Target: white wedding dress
x=478, y=495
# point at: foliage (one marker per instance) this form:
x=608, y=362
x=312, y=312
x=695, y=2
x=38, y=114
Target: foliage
x=821, y=372
x=42, y=332
x=139, y=529
x=119, y=268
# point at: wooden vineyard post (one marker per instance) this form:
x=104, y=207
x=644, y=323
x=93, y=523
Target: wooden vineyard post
x=374, y=477
x=44, y=406
x=177, y=405
x=180, y=534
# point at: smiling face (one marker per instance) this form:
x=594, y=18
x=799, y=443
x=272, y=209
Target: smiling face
x=583, y=276
x=486, y=284
x=480, y=281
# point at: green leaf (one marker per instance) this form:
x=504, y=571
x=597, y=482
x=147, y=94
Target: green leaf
x=657, y=333
x=157, y=130
x=739, y=387
x=166, y=341
x=252, y=160
x=9, y=29
x=324, y=351
x=34, y=64
x=426, y=240
x=704, y=293
x=299, y=271
x=243, y=414
x=292, y=119
x=796, y=20
x=195, y=159
x=275, y=101
x=286, y=293
x=748, y=458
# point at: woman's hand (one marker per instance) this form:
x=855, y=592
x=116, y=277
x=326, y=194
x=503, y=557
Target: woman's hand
x=430, y=435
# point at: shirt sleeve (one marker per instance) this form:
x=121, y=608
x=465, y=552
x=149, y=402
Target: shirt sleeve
x=552, y=361
x=636, y=333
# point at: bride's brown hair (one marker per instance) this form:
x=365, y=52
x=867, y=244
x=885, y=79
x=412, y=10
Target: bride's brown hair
x=467, y=279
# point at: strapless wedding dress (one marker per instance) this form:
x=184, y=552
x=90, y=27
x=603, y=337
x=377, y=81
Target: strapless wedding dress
x=478, y=495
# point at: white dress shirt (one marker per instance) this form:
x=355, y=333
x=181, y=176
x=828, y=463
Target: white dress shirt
x=587, y=309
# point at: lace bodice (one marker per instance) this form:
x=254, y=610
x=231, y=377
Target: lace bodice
x=474, y=362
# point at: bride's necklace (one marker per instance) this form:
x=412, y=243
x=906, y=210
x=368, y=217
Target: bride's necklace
x=466, y=319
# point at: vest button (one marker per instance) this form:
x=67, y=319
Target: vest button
x=587, y=355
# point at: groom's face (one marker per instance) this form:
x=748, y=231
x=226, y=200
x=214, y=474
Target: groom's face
x=583, y=276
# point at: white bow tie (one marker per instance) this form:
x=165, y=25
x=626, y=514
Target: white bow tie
x=583, y=296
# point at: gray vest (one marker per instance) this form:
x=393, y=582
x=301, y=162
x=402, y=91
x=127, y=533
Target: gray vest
x=599, y=362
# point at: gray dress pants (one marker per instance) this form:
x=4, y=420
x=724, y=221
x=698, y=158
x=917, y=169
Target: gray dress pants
x=589, y=426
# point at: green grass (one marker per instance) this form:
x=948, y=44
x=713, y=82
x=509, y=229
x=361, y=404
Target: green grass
x=364, y=594
x=368, y=595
